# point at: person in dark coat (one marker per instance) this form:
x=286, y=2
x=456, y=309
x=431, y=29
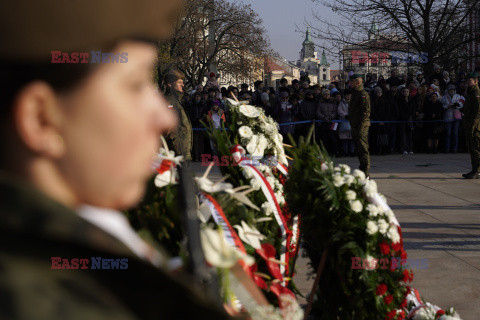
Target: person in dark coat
x=284, y=113
x=407, y=109
x=326, y=112
x=433, y=110
x=381, y=112
x=394, y=80
x=393, y=115
x=197, y=110
x=471, y=110
x=307, y=112
x=74, y=134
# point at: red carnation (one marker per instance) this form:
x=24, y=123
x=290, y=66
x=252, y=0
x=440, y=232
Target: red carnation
x=403, y=304
x=391, y=315
x=397, y=247
x=407, y=276
x=403, y=254
x=388, y=299
x=381, y=289
x=439, y=313
x=401, y=315
x=384, y=248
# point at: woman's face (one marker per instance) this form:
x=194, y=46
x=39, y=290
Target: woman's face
x=111, y=126
x=434, y=98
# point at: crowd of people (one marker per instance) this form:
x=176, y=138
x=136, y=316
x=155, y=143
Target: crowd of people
x=415, y=113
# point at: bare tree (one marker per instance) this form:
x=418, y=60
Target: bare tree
x=436, y=27
x=236, y=46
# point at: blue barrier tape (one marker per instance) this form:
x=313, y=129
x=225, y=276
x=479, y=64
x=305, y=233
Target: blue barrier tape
x=340, y=121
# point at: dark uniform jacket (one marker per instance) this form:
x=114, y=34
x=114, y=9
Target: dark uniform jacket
x=181, y=139
x=35, y=228
x=359, y=108
x=471, y=109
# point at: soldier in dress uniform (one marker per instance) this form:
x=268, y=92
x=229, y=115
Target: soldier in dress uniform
x=471, y=123
x=82, y=133
x=359, y=117
x=180, y=140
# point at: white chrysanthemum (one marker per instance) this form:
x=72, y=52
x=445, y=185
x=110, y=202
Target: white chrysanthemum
x=393, y=234
x=263, y=142
x=359, y=174
x=255, y=184
x=373, y=210
x=267, y=208
x=370, y=188
x=425, y=313
x=356, y=206
x=389, y=214
x=280, y=198
x=247, y=174
x=351, y=195
x=245, y=132
x=270, y=129
x=345, y=168
x=372, y=227
x=271, y=181
x=249, y=111
x=383, y=226
x=349, y=179
x=252, y=145
x=279, y=137
x=338, y=180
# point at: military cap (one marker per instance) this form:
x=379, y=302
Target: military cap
x=472, y=75
x=31, y=30
x=355, y=76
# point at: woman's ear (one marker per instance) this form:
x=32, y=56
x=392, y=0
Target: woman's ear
x=38, y=118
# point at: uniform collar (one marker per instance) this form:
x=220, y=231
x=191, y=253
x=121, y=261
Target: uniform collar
x=26, y=212
x=359, y=87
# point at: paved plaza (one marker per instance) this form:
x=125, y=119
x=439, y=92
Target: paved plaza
x=439, y=212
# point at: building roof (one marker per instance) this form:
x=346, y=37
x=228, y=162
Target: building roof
x=373, y=28
x=381, y=43
x=324, y=61
x=308, y=38
x=271, y=66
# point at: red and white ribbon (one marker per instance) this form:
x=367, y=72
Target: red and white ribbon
x=221, y=220
x=238, y=152
x=280, y=167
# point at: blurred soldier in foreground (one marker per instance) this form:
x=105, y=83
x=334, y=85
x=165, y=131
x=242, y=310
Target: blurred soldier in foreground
x=80, y=125
x=471, y=122
x=359, y=117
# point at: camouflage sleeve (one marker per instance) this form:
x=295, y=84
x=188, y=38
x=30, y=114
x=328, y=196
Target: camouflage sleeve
x=476, y=110
x=365, y=107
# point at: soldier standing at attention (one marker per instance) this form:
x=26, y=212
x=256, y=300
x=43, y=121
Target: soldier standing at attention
x=181, y=139
x=359, y=117
x=471, y=121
